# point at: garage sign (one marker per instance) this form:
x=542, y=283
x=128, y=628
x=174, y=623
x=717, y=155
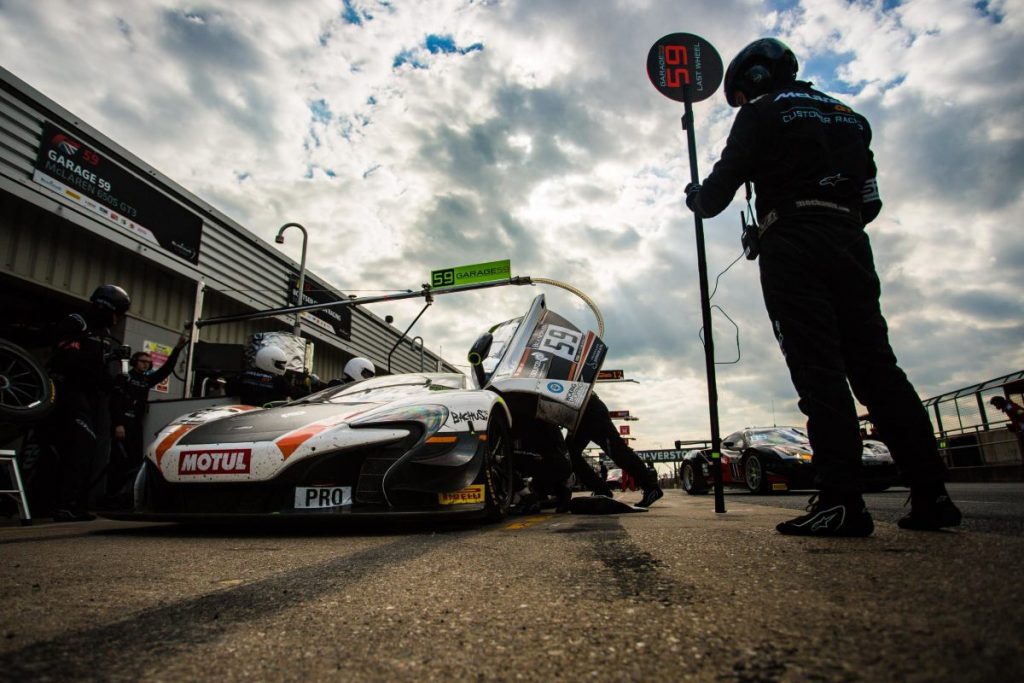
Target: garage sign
x=474, y=274
x=91, y=180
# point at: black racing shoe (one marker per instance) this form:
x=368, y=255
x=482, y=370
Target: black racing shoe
x=527, y=504
x=650, y=496
x=70, y=516
x=930, y=513
x=830, y=515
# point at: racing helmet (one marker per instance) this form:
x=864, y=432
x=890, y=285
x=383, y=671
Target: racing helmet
x=111, y=298
x=760, y=67
x=271, y=359
x=359, y=368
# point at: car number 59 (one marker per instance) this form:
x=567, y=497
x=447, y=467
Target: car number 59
x=561, y=342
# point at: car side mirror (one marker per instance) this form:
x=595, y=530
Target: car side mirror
x=481, y=347
x=729, y=444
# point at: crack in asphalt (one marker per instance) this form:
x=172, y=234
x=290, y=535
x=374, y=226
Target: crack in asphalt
x=126, y=649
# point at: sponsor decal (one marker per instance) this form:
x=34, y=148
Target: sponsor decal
x=223, y=461
x=575, y=394
x=322, y=496
x=538, y=365
x=806, y=96
x=779, y=487
x=470, y=494
x=466, y=416
x=555, y=387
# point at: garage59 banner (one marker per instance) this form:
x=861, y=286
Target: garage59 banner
x=75, y=171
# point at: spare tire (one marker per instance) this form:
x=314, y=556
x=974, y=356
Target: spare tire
x=26, y=390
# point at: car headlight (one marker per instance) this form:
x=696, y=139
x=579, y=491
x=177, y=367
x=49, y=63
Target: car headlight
x=430, y=416
x=794, y=453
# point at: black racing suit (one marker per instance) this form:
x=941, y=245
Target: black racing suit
x=82, y=369
x=596, y=426
x=129, y=405
x=809, y=158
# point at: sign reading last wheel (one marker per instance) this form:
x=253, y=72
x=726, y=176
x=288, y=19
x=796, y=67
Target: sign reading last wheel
x=682, y=64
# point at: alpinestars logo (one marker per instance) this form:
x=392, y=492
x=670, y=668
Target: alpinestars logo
x=236, y=461
x=66, y=145
x=824, y=520
x=832, y=180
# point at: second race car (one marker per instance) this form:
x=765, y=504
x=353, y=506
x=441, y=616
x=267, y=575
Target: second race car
x=767, y=459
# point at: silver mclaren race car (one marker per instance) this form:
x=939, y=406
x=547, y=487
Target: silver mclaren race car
x=412, y=444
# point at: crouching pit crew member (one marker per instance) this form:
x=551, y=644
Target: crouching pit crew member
x=596, y=426
x=809, y=158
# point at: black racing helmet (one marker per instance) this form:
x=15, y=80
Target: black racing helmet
x=111, y=298
x=760, y=67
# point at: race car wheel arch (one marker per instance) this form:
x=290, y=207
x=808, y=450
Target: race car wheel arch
x=692, y=482
x=754, y=474
x=498, y=467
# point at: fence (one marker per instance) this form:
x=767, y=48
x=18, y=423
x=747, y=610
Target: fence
x=973, y=433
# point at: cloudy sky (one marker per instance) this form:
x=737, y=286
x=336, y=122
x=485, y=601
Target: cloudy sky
x=410, y=135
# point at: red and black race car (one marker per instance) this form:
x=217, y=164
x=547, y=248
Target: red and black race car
x=767, y=459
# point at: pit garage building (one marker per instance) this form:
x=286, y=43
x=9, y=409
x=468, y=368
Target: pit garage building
x=78, y=210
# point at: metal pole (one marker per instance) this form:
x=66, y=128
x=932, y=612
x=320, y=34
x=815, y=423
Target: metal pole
x=392, y=352
x=302, y=271
x=421, y=349
x=425, y=292
x=193, y=335
x=705, y=309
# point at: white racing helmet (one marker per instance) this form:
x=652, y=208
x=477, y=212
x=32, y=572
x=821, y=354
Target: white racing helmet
x=271, y=359
x=359, y=368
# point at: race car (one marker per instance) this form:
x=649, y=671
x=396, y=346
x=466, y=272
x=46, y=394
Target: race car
x=409, y=444
x=767, y=459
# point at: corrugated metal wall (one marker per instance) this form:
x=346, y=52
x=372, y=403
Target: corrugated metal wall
x=71, y=251
x=45, y=249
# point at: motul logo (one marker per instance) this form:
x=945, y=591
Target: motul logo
x=215, y=462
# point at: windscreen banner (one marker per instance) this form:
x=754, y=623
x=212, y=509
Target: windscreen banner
x=551, y=358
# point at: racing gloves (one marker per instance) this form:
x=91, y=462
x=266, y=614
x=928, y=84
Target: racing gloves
x=693, y=197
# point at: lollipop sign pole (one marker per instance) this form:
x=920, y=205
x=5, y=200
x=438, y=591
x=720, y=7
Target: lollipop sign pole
x=686, y=68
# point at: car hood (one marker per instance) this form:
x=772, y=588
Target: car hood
x=267, y=425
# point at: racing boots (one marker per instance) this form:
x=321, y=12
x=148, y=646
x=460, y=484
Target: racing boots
x=930, y=510
x=651, y=494
x=831, y=514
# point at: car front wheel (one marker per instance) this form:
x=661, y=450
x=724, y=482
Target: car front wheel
x=754, y=475
x=692, y=484
x=498, y=467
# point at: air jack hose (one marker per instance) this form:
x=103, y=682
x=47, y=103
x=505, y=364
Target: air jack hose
x=577, y=292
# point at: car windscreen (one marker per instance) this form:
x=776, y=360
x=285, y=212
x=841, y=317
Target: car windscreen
x=776, y=437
